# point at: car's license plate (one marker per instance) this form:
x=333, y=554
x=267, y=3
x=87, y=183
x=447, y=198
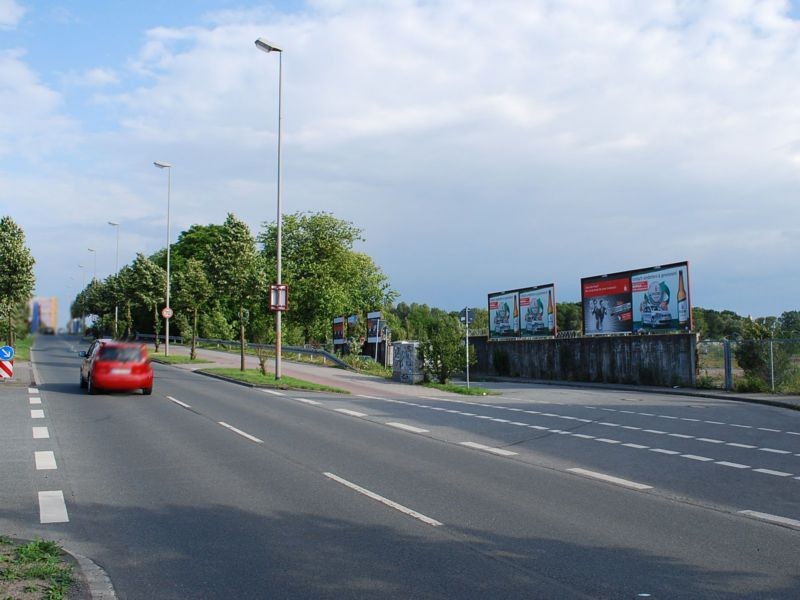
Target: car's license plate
x=120, y=371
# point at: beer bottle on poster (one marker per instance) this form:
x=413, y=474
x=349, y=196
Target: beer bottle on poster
x=683, y=303
x=550, y=311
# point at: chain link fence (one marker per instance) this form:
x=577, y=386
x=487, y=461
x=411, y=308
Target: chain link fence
x=750, y=365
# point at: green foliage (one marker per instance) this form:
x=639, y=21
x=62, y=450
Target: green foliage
x=192, y=291
x=38, y=565
x=16, y=273
x=255, y=377
x=568, y=316
x=716, y=325
x=472, y=390
x=751, y=384
x=326, y=277
x=443, y=350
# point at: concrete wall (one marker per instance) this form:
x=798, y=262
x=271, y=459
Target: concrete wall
x=665, y=360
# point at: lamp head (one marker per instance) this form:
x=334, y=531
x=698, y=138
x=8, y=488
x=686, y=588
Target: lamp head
x=266, y=46
x=161, y=164
x=113, y=223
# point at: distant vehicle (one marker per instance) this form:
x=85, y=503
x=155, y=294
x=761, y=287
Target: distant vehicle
x=502, y=316
x=115, y=366
x=47, y=331
x=532, y=322
x=655, y=317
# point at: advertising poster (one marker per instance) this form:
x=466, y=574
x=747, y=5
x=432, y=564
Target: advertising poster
x=374, y=327
x=606, y=303
x=537, y=311
x=661, y=299
x=503, y=315
x=338, y=331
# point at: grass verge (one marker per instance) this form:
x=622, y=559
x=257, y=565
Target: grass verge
x=254, y=376
x=472, y=390
x=33, y=570
x=176, y=359
x=22, y=348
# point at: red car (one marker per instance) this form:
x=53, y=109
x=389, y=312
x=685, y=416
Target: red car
x=109, y=365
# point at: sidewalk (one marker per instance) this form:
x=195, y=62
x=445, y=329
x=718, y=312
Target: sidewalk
x=357, y=383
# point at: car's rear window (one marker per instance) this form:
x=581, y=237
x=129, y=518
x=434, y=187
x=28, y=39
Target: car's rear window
x=120, y=354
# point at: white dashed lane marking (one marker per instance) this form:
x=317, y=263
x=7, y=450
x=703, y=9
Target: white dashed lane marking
x=695, y=457
x=45, y=461
x=52, y=508
x=771, y=472
x=611, y=479
x=307, y=401
x=35, y=400
x=498, y=451
x=352, y=413
x=245, y=435
x=33, y=391
x=41, y=433
x=771, y=518
x=410, y=428
x=37, y=414
x=178, y=402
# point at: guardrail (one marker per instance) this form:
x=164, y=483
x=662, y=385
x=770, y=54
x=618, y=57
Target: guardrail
x=304, y=350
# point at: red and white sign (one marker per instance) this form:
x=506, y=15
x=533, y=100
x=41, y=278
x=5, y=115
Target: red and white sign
x=166, y=312
x=279, y=297
x=6, y=369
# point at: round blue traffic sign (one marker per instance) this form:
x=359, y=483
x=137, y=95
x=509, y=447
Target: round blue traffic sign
x=6, y=353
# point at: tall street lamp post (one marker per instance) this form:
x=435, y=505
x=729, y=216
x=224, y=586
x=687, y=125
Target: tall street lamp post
x=266, y=46
x=116, y=272
x=168, y=167
x=94, y=274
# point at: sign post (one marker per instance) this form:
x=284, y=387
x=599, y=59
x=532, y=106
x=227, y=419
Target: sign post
x=466, y=318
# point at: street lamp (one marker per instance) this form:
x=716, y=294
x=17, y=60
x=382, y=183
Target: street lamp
x=116, y=272
x=266, y=46
x=94, y=275
x=83, y=305
x=168, y=167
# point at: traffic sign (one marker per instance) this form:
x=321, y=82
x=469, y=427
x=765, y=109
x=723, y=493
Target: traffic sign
x=166, y=312
x=6, y=353
x=6, y=369
x=467, y=315
x=279, y=297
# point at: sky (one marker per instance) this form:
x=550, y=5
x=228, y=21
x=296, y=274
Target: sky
x=479, y=146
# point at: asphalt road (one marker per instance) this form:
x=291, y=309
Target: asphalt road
x=210, y=490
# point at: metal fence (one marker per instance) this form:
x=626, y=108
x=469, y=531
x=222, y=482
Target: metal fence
x=285, y=350
x=750, y=365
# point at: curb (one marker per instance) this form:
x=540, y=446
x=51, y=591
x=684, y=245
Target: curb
x=670, y=391
x=100, y=586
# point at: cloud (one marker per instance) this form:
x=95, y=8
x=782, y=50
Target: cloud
x=11, y=14
x=498, y=145
x=97, y=77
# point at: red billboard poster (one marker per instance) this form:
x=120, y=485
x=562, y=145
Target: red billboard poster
x=607, y=305
x=661, y=300
x=537, y=311
x=338, y=331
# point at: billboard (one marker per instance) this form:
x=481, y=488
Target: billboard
x=338, y=331
x=537, y=311
x=44, y=313
x=374, y=327
x=638, y=301
x=504, y=315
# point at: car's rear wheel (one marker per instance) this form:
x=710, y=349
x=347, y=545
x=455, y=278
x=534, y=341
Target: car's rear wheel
x=147, y=391
x=83, y=382
x=90, y=386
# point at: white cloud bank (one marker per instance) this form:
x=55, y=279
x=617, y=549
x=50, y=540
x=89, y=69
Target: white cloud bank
x=11, y=14
x=487, y=146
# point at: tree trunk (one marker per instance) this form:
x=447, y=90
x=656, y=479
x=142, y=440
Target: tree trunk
x=129, y=318
x=10, y=337
x=241, y=335
x=155, y=324
x=193, y=352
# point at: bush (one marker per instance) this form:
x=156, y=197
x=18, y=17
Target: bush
x=751, y=384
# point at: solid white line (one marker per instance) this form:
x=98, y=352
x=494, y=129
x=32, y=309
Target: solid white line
x=405, y=427
x=45, y=461
x=307, y=401
x=386, y=501
x=273, y=392
x=771, y=472
x=736, y=445
x=498, y=451
x=771, y=518
x=612, y=479
x=710, y=440
x=774, y=451
x=178, y=402
x=725, y=463
x=352, y=413
x=40, y=433
x=52, y=508
x=695, y=457
x=33, y=391
x=637, y=446
x=241, y=433
x=37, y=414
x=35, y=400
x=662, y=451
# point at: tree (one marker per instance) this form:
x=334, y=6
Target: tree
x=16, y=272
x=326, y=277
x=150, y=282
x=192, y=291
x=443, y=351
x=236, y=270
x=569, y=316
